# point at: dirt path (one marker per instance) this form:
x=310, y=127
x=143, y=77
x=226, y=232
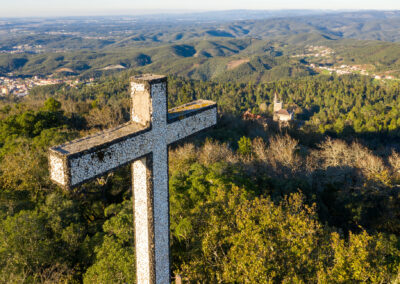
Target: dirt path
x=236, y=63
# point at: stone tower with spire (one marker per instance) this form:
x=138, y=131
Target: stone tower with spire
x=281, y=114
x=278, y=105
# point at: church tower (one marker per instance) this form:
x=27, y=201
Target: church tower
x=278, y=105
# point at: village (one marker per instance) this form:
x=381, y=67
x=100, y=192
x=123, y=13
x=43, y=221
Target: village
x=324, y=52
x=320, y=52
x=349, y=69
x=24, y=48
x=20, y=87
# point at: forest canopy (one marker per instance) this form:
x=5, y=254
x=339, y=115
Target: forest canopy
x=315, y=202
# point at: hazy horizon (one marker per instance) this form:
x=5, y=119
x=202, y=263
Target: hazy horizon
x=155, y=12
x=125, y=13
x=57, y=8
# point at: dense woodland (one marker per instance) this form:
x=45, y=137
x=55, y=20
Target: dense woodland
x=317, y=201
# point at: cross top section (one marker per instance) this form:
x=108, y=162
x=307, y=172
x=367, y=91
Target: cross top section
x=144, y=89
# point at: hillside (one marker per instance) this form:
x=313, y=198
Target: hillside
x=217, y=59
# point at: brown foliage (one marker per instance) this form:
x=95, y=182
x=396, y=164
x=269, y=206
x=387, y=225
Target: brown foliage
x=394, y=161
x=213, y=152
x=210, y=153
x=338, y=154
x=106, y=117
x=183, y=157
x=282, y=151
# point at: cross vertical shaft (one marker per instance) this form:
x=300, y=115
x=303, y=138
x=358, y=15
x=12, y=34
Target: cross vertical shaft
x=149, y=107
x=160, y=182
x=143, y=216
x=151, y=213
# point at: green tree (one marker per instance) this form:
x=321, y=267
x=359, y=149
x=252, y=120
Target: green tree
x=244, y=145
x=115, y=258
x=52, y=105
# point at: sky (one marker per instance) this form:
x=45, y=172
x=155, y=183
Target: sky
x=22, y=8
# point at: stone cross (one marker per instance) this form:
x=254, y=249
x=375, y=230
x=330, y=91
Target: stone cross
x=143, y=142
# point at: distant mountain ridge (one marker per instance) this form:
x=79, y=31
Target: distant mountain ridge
x=109, y=32
x=242, y=50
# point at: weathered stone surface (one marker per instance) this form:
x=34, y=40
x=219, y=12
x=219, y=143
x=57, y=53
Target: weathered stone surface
x=192, y=124
x=57, y=169
x=113, y=135
x=144, y=223
x=95, y=155
x=189, y=109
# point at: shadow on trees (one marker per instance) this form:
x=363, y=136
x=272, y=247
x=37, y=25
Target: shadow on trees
x=346, y=197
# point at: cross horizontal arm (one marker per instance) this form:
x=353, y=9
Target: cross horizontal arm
x=190, y=118
x=83, y=159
